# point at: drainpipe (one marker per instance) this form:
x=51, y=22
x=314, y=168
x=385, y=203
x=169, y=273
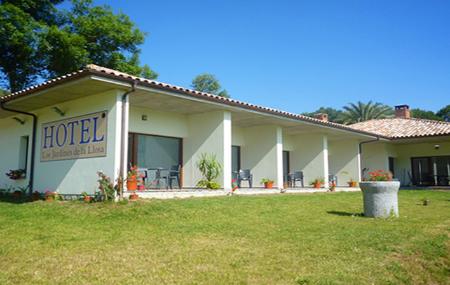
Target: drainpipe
x=123, y=139
x=33, y=142
x=360, y=150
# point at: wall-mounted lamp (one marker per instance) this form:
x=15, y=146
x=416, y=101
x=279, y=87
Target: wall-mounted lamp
x=144, y=118
x=436, y=146
x=59, y=111
x=19, y=120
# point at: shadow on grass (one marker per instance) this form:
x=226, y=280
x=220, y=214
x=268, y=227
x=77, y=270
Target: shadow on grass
x=345, y=214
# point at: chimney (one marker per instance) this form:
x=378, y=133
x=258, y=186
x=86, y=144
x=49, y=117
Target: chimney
x=321, y=116
x=402, y=111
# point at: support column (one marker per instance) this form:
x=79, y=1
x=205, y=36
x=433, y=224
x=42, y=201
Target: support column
x=325, y=161
x=359, y=164
x=227, y=151
x=126, y=120
x=279, y=162
x=121, y=136
x=117, y=136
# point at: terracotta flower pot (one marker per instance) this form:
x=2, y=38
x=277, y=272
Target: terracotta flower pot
x=317, y=185
x=268, y=185
x=87, y=199
x=352, y=184
x=49, y=199
x=134, y=197
x=132, y=183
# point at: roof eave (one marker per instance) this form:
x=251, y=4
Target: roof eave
x=184, y=91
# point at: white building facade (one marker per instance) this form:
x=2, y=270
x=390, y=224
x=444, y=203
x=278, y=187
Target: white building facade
x=98, y=119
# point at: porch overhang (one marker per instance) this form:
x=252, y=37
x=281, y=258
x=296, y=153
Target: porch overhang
x=165, y=97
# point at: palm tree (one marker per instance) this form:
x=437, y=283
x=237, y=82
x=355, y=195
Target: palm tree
x=359, y=112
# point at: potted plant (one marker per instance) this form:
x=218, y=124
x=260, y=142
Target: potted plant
x=317, y=183
x=132, y=178
x=380, y=194
x=332, y=186
x=134, y=196
x=268, y=183
x=16, y=174
x=352, y=183
x=86, y=197
x=51, y=196
x=141, y=182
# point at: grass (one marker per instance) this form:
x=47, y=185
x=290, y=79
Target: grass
x=281, y=239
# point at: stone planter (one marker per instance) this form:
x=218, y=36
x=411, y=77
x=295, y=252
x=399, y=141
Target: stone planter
x=380, y=198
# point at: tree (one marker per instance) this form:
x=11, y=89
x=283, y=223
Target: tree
x=40, y=10
x=38, y=40
x=19, y=61
x=334, y=115
x=360, y=111
x=208, y=83
x=423, y=114
x=444, y=113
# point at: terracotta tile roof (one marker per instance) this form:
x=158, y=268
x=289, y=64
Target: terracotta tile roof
x=93, y=69
x=397, y=128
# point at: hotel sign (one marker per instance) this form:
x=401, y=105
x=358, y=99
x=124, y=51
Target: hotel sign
x=79, y=137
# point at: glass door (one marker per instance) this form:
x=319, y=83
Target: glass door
x=442, y=167
x=422, y=171
x=157, y=154
x=429, y=171
x=286, y=165
x=235, y=161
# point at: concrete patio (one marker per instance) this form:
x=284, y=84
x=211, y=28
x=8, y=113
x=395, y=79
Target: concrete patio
x=189, y=193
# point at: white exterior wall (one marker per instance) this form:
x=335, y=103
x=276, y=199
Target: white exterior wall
x=343, y=160
x=208, y=133
x=237, y=137
x=309, y=154
x=201, y=133
x=71, y=176
x=262, y=153
x=158, y=123
x=375, y=156
x=404, y=152
x=10, y=134
x=78, y=175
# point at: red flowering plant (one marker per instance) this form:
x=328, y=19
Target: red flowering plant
x=380, y=175
x=133, y=172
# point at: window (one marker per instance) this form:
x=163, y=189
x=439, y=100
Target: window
x=23, y=152
x=149, y=151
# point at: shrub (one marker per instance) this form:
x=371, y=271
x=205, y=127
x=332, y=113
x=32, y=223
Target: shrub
x=210, y=169
x=106, y=187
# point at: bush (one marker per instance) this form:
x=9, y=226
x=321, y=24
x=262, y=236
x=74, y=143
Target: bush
x=210, y=169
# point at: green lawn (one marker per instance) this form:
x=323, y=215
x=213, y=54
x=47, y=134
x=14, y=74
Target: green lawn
x=280, y=239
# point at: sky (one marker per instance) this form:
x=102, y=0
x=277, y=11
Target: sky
x=300, y=55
